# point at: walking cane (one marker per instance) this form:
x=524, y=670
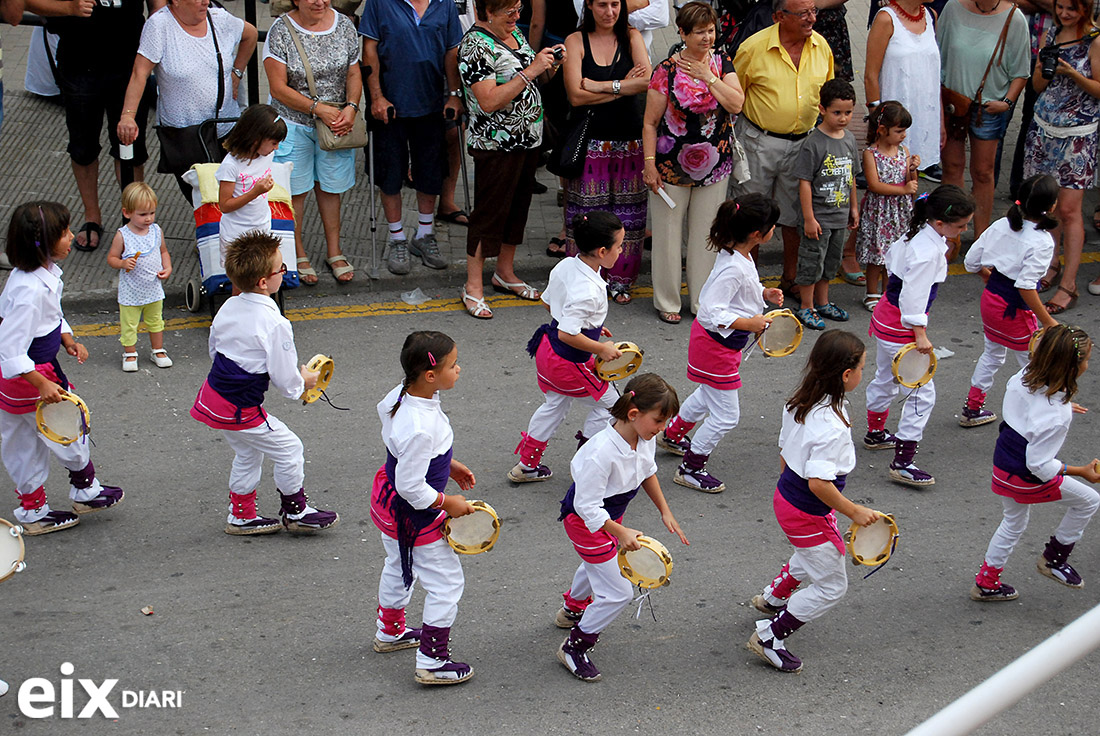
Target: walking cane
x=462, y=157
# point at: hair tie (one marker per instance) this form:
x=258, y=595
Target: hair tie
x=277, y=118
x=947, y=209
x=431, y=358
x=1018, y=203
x=922, y=197
x=736, y=207
x=630, y=394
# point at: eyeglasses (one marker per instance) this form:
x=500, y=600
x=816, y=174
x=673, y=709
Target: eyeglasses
x=804, y=15
x=280, y=272
x=513, y=13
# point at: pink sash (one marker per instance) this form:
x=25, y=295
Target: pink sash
x=565, y=377
x=18, y=396
x=217, y=412
x=1013, y=333
x=712, y=363
x=382, y=516
x=595, y=547
x=1022, y=491
x=886, y=324
x=806, y=530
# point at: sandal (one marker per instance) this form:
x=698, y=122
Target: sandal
x=855, y=278
x=1053, y=309
x=810, y=318
x=479, y=309
x=556, y=249
x=338, y=271
x=87, y=229
x=619, y=293
x=672, y=318
x=871, y=301
x=525, y=290
x=306, y=272
x=453, y=217
x=1045, y=284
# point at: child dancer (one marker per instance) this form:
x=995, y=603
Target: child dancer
x=891, y=183
x=607, y=473
x=917, y=265
x=252, y=345
x=139, y=252
x=565, y=350
x=817, y=453
x=244, y=176
x=1011, y=255
x=32, y=328
x=409, y=506
x=730, y=306
x=1037, y=410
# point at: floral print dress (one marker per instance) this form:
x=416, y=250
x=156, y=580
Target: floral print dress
x=516, y=126
x=884, y=218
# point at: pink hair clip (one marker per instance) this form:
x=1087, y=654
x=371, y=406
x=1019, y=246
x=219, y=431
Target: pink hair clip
x=431, y=358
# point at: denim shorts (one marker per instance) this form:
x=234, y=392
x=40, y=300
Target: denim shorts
x=992, y=126
x=333, y=170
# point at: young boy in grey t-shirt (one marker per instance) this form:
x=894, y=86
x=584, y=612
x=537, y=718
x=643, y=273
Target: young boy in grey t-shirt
x=826, y=169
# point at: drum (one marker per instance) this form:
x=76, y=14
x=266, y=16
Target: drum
x=64, y=422
x=783, y=335
x=872, y=545
x=625, y=365
x=473, y=533
x=648, y=567
x=912, y=368
x=11, y=550
x=1033, y=343
x=324, y=365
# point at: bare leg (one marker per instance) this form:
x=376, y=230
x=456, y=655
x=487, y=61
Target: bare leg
x=874, y=279
x=298, y=201
x=821, y=292
x=391, y=207
x=87, y=183
x=505, y=263
x=983, y=157
x=1073, y=241
x=156, y=340
x=475, y=271
x=791, y=239
x=848, y=263
x=447, y=202
x=953, y=162
x=328, y=205
x=807, y=294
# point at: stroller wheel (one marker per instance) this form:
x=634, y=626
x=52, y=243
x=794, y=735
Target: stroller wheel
x=192, y=295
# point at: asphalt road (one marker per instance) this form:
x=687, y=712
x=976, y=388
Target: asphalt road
x=272, y=635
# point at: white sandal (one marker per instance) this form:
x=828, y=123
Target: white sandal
x=307, y=271
x=338, y=271
x=526, y=291
x=870, y=301
x=160, y=357
x=129, y=366
x=479, y=310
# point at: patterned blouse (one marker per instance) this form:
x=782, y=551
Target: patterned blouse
x=516, y=126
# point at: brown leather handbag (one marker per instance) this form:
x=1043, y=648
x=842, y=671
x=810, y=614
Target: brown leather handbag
x=957, y=106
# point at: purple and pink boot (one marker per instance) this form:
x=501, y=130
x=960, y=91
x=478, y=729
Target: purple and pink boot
x=674, y=438
x=433, y=659
x=973, y=413
x=573, y=654
x=767, y=642
x=299, y=517
x=529, y=469
x=392, y=634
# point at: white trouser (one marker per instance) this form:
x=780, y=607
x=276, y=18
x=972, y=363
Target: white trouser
x=610, y=591
x=697, y=206
x=1082, y=502
x=991, y=360
x=26, y=456
x=882, y=390
x=439, y=571
x=823, y=567
x=272, y=439
x=722, y=411
x=544, y=422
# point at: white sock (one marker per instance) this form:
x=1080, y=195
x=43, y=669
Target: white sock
x=397, y=231
x=424, y=226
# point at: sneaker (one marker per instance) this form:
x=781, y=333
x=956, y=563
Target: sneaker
x=109, y=496
x=427, y=250
x=774, y=653
x=1063, y=573
x=933, y=174
x=53, y=521
x=809, y=318
x=160, y=357
x=128, y=365
x=699, y=480
x=408, y=639
x=566, y=618
x=248, y=527
x=397, y=262
x=910, y=475
x=673, y=446
x=880, y=439
x=520, y=474
x=984, y=595
x=831, y=311
x=760, y=603
x=976, y=417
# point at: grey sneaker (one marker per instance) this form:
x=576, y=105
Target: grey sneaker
x=428, y=251
x=398, y=260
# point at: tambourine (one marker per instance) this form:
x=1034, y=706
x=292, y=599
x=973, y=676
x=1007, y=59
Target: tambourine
x=648, y=567
x=625, y=365
x=913, y=368
x=324, y=365
x=473, y=533
x=64, y=422
x=783, y=336
x=11, y=550
x=1033, y=343
x=872, y=545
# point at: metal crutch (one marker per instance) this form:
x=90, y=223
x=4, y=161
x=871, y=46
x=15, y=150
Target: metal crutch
x=462, y=158
x=370, y=178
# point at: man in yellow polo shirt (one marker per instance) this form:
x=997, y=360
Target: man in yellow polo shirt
x=781, y=70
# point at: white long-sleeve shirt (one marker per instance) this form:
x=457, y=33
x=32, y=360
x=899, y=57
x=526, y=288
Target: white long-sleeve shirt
x=577, y=296
x=1021, y=256
x=416, y=434
x=30, y=307
x=607, y=466
x=1043, y=421
x=732, y=291
x=250, y=331
x=821, y=447
x=919, y=263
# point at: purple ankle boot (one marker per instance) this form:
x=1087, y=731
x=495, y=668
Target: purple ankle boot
x=904, y=471
x=767, y=642
x=83, y=479
x=692, y=473
x=299, y=516
x=434, y=641
x=1052, y=563
x=573, y=653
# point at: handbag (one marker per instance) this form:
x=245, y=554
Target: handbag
x=329, y=141
x=567, y=158
x=958, y=105
x=181, y=148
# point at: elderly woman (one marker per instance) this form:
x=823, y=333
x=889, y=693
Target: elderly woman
x=500, y=73
x=332, y=47
x=968, y=34
x=687, y=137
x=179, y=42
x=606, y=75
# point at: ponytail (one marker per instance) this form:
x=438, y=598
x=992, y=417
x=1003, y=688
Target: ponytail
x=1034, y=199
x=647, y=392
x=946, y=202
x=421, y=353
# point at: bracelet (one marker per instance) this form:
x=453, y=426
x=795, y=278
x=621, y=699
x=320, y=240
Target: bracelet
x=439, y=501
x=238, y=73
x=1064, y=467
x=873, y=105
x=649, y=158
x=616, y=87
x=351, y=104
x=313, y=107
x=525, y=77
x=712, y=80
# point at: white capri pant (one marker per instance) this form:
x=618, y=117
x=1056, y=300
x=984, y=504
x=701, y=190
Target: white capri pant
x=882, y=390
x=610, y=591
x=698, y=206
x=823, y=567
x=722, y=411
x=991, y=360
x=544, y=422
x=26, y=456
x=439, y=571
x=252, y=445
x=1081, y=500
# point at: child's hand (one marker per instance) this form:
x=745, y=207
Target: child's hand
x=853, y=218
x=628, y=538
x=51, y=393
x=462, y=475
x=310, y=377
x=608, y=351
x=265, y=184
x=775, y=296
x=758, y=323
x=456, y=505
x=914, y=163
x=1091, y=472
x=1078, y=409
x=604, y=332
x=670, y=524
x=128, y=264
x=985, y=273
x=164, y=273
x=78, y=351
x=863, y=515
x=924, y=345
x=911, y=186
x=812, y=229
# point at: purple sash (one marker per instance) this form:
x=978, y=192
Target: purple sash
x=796, y=491
x=615, y=506
x=1010, y=454
x=44, y=350
x=893, y=292
x=409, y=521
x=236, y=385
x=568, y=352
x=1005, y=288
x=737, y=340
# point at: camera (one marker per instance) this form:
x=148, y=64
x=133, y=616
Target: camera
x=1048, y=61
x=559, y=53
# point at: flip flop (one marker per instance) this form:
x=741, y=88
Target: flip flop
x=555, y=252
x=87, y=229
x=453, y=217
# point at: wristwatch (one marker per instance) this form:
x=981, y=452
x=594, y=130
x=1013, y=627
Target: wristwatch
x=616, y=86
x=1008, y=102
x=455, y=93
x=351, y=104
x=239, y=74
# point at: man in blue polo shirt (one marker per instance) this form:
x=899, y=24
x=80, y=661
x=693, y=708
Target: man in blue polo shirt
x=411, y=46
